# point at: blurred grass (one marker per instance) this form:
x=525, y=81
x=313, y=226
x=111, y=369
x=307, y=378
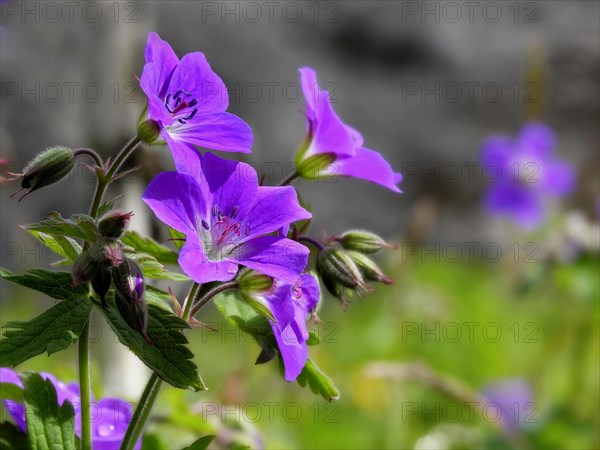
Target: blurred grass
x=547, y=316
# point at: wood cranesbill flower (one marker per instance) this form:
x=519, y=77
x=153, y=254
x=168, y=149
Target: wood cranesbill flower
x=290, y=305
x=187, y=104
x=333, y=148
x=111, y=416
x=524, y=174
x=228, y=220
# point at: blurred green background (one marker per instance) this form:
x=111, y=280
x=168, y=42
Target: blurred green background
x=468, y=324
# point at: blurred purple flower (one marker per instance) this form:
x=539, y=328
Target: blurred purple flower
x=340, y=145
x=528, y=174
x=290, y=304
x=514, y=400
x=110, y=416
x=187, y=102
x=228, y=220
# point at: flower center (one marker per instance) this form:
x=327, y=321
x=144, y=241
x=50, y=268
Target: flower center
x=181, y=105
x=223, y=232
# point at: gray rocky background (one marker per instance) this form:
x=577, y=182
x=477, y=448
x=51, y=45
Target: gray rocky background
x=425, y=82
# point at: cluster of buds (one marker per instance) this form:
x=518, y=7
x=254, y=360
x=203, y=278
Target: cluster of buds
x=47, y=168
x=104, y=263
x=345, y=267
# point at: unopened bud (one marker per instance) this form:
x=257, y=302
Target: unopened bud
x=314, y=167
x=363, y=241
x=368, y=268
x=129, y=296
x=84, y=268
x=49, y=167
x=129, y=280
x=112, y=254
x=148, y=131
x=251, y=282
x=135, y=314
x=338, y=270
x=101, y=284
x=114, y=224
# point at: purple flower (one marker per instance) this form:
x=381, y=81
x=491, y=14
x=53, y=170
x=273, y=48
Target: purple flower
x=228, y=220
x=187, y=103
x=290, y=304
x=527, y=174
x=110, y=416
x=333, y=148
x=513, y=399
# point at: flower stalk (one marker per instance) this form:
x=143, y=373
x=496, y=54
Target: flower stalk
x=83, y=352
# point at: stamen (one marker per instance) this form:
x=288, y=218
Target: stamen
x=235, y=211
x=215, y=210
x=205, y=225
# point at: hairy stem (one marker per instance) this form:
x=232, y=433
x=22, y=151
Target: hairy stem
x=150, y=394
x=141, y=413
x=211, y=294
x=122, y=157
x=89, y=152
x=83, y=359
x=289, y=179
x=106, y=179
x=312, y=241
x=83, y=343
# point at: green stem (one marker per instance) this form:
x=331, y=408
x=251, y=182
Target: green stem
x=142, y=411
x=83, y=350
x=106, y=179
x=212, y=293
x=89, y=152
x=309, y=240
x=289, y=179
x=122, y=157
x=83, y=357
x=150, y=394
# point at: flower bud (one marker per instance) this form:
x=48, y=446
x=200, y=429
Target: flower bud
x=112, y=254
x=129, y=296
x=251, y=282
x=49, y=167
x=114, y=224
x=368, y=268
x=129, y=280
x=315, y=166
x=101, y=284
x=134, y=313
x=84, y=268
x=363, y=241
x=338, y=270
x=148, y=130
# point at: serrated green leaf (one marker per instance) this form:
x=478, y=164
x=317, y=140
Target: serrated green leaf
x=12, y=438
x=247, y=318
x=10, y=391
x=53, y=330
x=64, y=246
x=201, y=444
x=161, y=299
x=169, y=355
x=49, y=425
x=318, y=381
x=152, y=268
x=143, y=244
x=57, y=285
x=109, y=206
x=78, y=226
